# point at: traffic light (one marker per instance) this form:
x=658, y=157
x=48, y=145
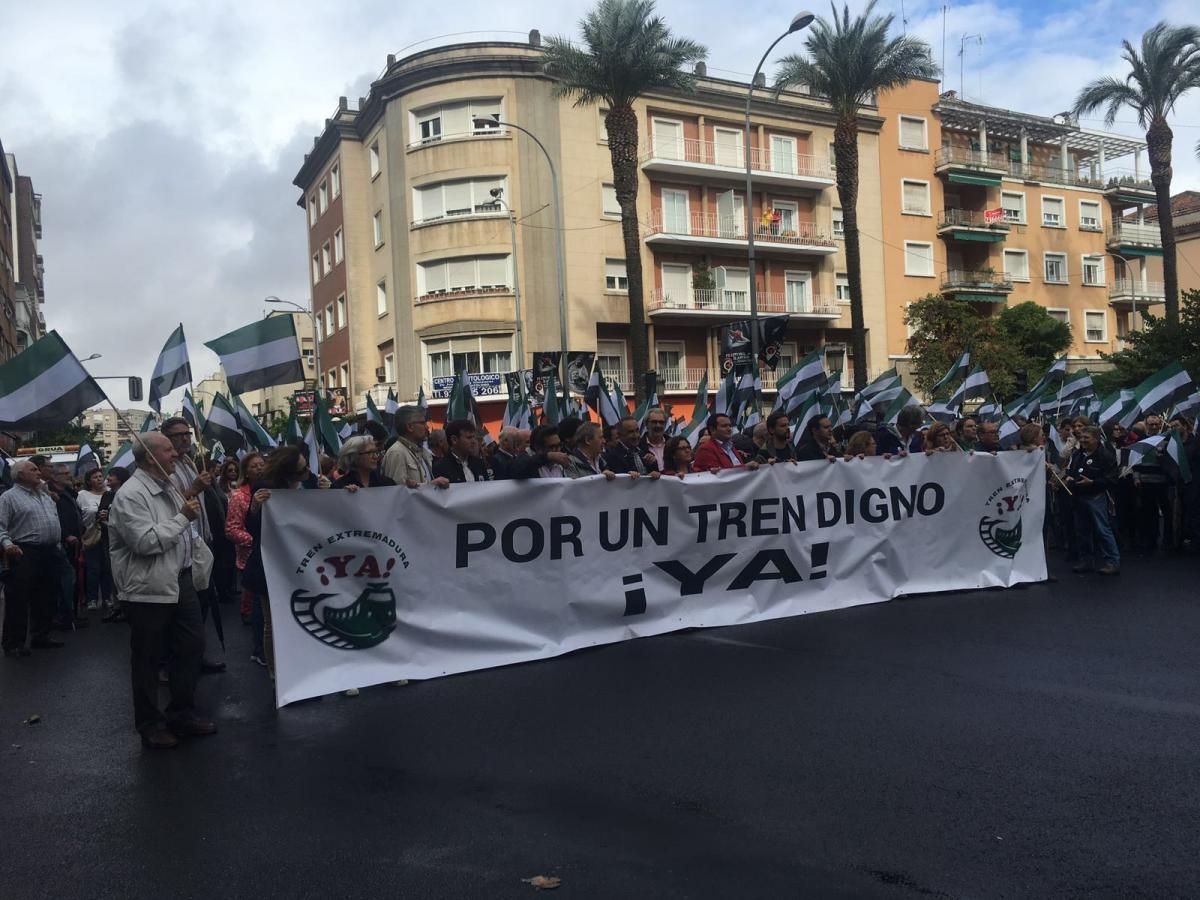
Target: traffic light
x=135, y=388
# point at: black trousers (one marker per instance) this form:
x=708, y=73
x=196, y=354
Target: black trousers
x=31, y=592
x=172, y=631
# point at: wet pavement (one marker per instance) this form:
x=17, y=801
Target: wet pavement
x=1041, y=742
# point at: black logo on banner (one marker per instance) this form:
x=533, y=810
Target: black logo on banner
x=1000, y=527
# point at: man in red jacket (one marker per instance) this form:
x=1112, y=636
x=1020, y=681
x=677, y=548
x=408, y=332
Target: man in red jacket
x=718, y=452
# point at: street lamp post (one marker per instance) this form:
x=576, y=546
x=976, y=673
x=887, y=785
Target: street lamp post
x=497, y=195
x=560, y=260
x=312, y=314
x=801, y=20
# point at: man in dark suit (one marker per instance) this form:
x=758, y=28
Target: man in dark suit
x=462, y=462
x=625, y=456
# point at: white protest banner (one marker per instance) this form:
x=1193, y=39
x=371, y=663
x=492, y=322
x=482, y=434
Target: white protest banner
x=391, y=583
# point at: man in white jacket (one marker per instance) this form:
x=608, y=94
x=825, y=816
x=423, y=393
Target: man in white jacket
x=152, y=529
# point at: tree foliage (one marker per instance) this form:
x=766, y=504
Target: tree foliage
x=1157, y=344
x=1022, y=337
x=72, y=433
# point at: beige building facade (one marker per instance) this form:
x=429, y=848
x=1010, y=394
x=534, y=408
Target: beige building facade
x=112, y=429
x=1001, y=207
x=411, y=251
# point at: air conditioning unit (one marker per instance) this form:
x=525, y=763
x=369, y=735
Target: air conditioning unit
x=380, y=374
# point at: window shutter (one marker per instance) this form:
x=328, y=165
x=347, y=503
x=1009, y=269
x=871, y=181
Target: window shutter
x=431, y=202
x=461, y=273
x=912, y=133
x=435, y=276
x=457, y=197
x=493, y=271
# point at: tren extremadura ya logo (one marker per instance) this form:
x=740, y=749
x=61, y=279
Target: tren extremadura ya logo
x=1000, y=527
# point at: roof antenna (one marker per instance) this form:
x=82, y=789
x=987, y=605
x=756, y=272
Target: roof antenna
x=962, y=51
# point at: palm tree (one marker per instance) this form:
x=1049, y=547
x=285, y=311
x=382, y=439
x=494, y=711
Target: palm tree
x=849, y=62
x=1166, y=69
x=627, y=52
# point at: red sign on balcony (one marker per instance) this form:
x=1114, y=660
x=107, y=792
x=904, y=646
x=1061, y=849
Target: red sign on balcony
x=992, y=216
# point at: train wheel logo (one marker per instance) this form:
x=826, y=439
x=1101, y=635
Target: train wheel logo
x=357, y=609
x=1000, y=526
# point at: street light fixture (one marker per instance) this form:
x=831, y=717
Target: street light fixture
x=489, y=122
x=90, y=358
x=498, y=196
x=312, y=314
x=801, y=20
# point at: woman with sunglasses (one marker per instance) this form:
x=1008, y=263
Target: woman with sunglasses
x=359, y=459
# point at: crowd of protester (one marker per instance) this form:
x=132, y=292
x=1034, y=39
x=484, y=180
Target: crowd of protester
x=160, y=546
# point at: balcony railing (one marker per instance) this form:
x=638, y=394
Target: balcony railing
x=966, y=158
x=463, y=292
x=1135, y=235
x=707, y=225
x=966, y=280
x=723, y=156
x=1117, y=179
x=1124, y=288
x=738, y=301
x=969, y=218
x=689, y=379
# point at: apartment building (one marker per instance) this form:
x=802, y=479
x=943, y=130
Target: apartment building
x=27, y=323
x=414, y=266
x=1185, y=215
x=8, y=270
x=113, y=430
x=999, y=207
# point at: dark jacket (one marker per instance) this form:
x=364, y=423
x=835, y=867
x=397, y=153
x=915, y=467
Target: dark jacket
x=810, y=451
x=448, y=467
x=502, y=464
x=1099, y=466
x=376, y=479
x=253, y=577
x=623, y=460
x=69, y=518
x=768, y=452
x=887, y=441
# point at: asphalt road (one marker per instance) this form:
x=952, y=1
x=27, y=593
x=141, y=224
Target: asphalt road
x=1031, y=743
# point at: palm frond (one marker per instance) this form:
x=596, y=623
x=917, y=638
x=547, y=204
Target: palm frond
x=1112, y=94
x=1162, y=69
x=626, y=51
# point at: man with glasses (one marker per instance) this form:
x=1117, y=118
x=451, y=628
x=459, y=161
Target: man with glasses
x=655, y=441
x=407, y=461
x=193, y=484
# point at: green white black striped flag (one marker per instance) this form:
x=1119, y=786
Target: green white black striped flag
x=892, y=413
x=699, y=413
x=45, y=386
x=961, y=367
x=1158, y=392
x=976, y=384
x=794, y=385
x=171, y=371
x=256, y=436
x=1168, y=450
x=123, y=457
x=222, y=425
x=373, y=411
x=259, y=355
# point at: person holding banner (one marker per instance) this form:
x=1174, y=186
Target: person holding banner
x=510, y=444
x=463, y=463
x=587, y=457
x=907, y=436
x=938, y=439
x=545, y=458
x=860, y=446
x=407, y=461
x=719, y=452
x=989, y=438
x=655, y=441
x=151, y=526
x=359, y=459
x=966, y=433
x=677, y=457
x=778, y=446
x=818, y=442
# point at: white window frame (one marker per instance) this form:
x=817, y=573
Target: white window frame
x=682, y=137
x=928, y=197
x=1099, y=217
x=331, y=378
x=422, y=291
x=602, y=137
x=799, y=276
x=1020, y=220
x=832, y=157
x=841, y=279
x=687, y=207
x=924, y=130
x=329, y=329
x=1062, y=216
x=688, y=299
x=1089, y=313
x=339, y=307
x=1054, y=254
x=344, y=375
x=339, y=247
x=794, y=167
x=679, y=347
x=373, y=162
x=1098, y=260
x=1011, y=276
x=1066, y=313
x=326, y=258
x=316, y=268
x=478, y=191
x=912, y=245
x=605, y=211
x=791, y=206
x=313, y=213
x=323, y=196
x=602, y=349
x=335, y=181
x=389, y=368
x=377, y=225
x=739, y=160
x=417, y=118
x=615, y=288
x=838, y=224
x=381, y=300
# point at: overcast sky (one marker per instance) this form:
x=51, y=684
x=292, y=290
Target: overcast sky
x=164, y=136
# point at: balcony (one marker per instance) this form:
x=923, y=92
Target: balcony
x=463, y=293
x=1130, y=239
x=1128, y=293
x=964, y=166
x=724, y=303
x=729, y=232
x=972, y=225
x=980, y=286
x=674, y=381
x=1124, y=186
x=728, y=163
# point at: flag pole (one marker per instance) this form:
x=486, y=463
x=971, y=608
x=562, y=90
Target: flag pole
x=137, y=437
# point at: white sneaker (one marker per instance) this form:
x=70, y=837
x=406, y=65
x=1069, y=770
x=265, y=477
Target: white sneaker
x=94, y=604
x=353, y=692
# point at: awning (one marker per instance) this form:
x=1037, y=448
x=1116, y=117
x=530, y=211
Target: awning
x=985, y=237
x=980, y=180
x=1141, y=251
x=981, y=298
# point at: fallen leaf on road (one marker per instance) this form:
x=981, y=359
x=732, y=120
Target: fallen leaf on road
x=32, y=720
x=543, y=882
